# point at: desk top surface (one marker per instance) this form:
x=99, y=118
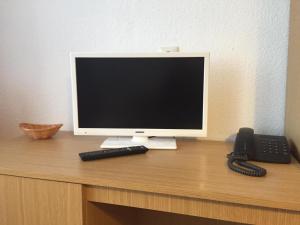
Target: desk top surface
x=197, y=169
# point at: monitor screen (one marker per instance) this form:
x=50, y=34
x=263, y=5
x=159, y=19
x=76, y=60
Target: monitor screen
x=140, y=92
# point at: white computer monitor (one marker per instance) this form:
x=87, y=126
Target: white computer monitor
x=132, y=97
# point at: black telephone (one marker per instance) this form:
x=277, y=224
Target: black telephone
x=257, y=147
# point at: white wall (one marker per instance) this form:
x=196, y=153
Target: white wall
x=247, y=40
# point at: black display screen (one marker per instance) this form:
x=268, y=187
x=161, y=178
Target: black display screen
x=149, y=93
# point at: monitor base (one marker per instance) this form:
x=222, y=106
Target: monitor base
x=151, y=143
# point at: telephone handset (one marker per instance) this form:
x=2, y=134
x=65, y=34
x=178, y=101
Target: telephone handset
x=257, y=147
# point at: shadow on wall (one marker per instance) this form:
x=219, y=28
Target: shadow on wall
x=270, y=75
x=225, y=108
x=292, y=121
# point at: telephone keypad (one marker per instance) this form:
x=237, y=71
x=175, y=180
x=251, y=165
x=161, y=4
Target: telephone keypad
x=274, y=149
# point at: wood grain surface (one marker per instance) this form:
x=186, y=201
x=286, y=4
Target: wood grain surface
x=10, y=201
x=194, y=207
x=106, y=214
x=26, y=201
x=197, y=169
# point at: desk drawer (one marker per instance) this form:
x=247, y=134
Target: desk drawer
x=192, y=207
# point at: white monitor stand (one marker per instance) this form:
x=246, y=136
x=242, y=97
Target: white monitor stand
x=151, y=143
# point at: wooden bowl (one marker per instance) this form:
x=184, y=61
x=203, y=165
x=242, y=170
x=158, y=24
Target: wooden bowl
x=40, y=131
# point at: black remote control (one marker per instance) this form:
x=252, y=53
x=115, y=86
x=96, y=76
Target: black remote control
x=114, y=152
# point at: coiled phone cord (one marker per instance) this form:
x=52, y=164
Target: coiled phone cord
x=244, y=167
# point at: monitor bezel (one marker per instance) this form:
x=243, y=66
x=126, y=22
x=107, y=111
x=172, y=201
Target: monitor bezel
x=132, y=131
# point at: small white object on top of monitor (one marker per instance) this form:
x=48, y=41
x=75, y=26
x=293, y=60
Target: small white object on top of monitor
x=140, y=99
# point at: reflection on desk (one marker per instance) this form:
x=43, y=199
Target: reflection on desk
x=193, y=180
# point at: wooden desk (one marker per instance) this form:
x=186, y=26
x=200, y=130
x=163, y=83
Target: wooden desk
x=45, y=182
